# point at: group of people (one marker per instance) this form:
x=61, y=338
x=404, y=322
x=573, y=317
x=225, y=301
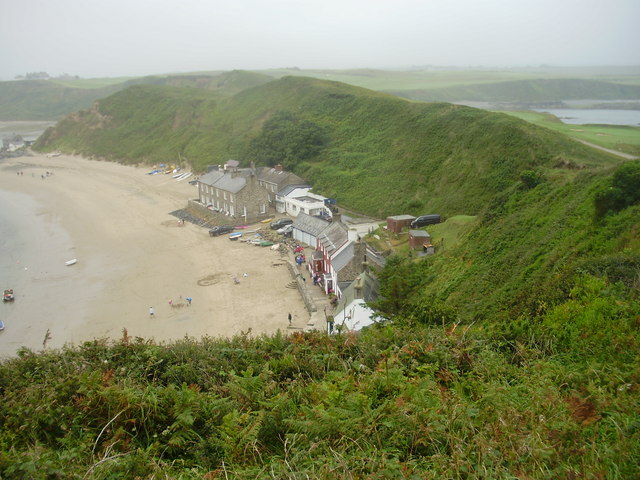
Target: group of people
x=299, y=254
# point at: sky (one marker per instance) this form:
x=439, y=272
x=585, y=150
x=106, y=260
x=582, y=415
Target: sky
x=115, y=38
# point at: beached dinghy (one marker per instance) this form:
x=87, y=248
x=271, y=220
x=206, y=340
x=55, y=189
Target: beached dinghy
x=235, y=236
x=71, y=262
x=8, y=295
x=1, y=325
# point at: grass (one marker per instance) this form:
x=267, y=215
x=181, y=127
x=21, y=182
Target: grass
x=620, y=138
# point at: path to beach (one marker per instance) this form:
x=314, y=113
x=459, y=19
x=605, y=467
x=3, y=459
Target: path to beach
x=132, y=255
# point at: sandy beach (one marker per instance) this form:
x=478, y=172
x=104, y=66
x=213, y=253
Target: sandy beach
x=131, y=255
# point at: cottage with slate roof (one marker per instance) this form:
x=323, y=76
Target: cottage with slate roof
x=234, y=193
x=331, y=242
x=274, y=179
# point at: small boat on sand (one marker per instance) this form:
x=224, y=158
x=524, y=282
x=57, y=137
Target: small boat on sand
x=8, y=295
x=71, y=262
x=235, y=235
x=1, y=325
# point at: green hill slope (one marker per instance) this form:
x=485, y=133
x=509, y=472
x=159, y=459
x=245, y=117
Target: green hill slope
x=53, y=99
x=376, y=153
x=531, y=188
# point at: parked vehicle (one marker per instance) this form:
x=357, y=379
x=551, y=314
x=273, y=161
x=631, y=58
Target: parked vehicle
x=281, y=222
x=423, y=220
x=220, y=230
x=286, y=229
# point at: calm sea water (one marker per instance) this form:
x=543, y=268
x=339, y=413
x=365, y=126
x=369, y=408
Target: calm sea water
x=579, y=116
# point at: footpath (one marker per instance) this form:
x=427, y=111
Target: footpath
x=316, y=301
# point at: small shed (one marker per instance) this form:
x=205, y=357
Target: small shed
x=396, y=223
x=418, y=238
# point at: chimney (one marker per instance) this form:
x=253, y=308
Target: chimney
x=357, y=288
x=336, y=217
x=278, y=167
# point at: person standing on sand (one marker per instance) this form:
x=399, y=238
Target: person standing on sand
x=151, y=312
x=289, y=319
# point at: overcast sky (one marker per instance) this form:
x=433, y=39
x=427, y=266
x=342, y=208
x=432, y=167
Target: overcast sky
x=110, y=38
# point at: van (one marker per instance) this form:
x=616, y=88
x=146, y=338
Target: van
x=423, y=220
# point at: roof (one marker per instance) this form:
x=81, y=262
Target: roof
x=231, y=183
x=232, y=163
x=419, y=233
x=401, y=217
x=368, y=285
x=343, y=257
x=354, y=316
x=278, y=177
x=333, y=237
x=286, y=190
x=211, y=177
x=308, y=224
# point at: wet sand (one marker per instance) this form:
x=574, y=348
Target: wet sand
x=131, y=255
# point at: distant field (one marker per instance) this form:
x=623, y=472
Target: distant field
x=615, y=137
x=435, y=78
x=89, y=83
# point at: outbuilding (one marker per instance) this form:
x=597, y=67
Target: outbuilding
x=418, y=238
x=396, y=223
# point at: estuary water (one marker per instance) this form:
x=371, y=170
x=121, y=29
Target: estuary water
x=579, y=116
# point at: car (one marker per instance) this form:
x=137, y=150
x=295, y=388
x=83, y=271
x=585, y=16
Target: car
x=281, y=222
x=423, y=220
x=220, y=230
x=285, y=230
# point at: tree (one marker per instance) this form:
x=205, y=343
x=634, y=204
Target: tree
x=288, y=139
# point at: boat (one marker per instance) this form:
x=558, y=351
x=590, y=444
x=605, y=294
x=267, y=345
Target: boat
x=265, y=243
x=8, y=295
x=71, y=262
x=1, y=325
x=267, y=220
x=235, y=235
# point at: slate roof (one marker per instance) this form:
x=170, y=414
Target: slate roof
x=211, y=177
x=231, y=183
x=343, y=258
x=333, y=237
x=367, y=283
x=308, y=224
x=271, y=175
x=401, y=217
x=419, y=233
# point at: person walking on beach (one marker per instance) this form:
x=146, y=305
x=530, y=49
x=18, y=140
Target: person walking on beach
x=151, y=312
x=289, y=318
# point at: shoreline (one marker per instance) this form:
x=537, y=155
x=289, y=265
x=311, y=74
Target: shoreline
x=132, y=255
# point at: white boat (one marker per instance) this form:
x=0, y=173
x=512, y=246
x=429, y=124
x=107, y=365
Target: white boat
x=71, y=262
x=186, y=175
x=1, y=325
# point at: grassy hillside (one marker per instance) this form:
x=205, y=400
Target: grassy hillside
x=53, y=99
x=45, y=100
x=556, y=400
x=371, y=147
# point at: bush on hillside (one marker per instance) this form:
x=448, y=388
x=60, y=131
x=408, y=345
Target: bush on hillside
x=287, y=139
x=623, y=191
